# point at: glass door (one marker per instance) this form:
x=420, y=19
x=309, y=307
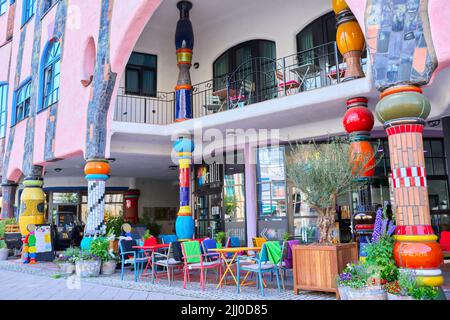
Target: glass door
x=234, y=206
x=271, y=193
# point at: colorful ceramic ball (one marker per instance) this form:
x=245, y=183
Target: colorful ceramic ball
x=358, y=119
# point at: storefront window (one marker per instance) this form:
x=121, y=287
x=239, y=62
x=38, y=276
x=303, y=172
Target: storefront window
x=271, y=182
x=113, y=206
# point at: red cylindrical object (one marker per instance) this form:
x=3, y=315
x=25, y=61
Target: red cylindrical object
x=358, y=119
x=131, y=210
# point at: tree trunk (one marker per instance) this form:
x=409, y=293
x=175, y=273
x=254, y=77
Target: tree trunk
x=325, y=224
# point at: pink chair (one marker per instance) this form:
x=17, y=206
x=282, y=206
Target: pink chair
x=289, y=85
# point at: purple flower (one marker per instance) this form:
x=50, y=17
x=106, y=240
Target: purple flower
x=345, y=277
x=384, y=223
x=391, y=228
x=377, y=228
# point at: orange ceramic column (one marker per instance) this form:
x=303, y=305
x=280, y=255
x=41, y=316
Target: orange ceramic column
x=403, y=110
x=350, y=39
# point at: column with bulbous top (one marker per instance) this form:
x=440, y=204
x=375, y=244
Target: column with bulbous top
x=183, y=146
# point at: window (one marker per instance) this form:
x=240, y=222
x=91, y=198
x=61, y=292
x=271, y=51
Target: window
x=3, y=6
x=50, y=75
x=3, y=108
x=113, y=206
x=140, y=75
x=29, y=9
x=271, y=182
x=260, y=72
x=22, y=102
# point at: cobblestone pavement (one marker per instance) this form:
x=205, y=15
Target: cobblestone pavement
x=38, y=282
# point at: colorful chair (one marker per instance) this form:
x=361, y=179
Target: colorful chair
x=131, y=256
x=207, y=245
x=445, y=244
x=167, y=261
x=194, y=260
x=285, y=262
x=168, y=238
x=261, y=265
x=258, y=241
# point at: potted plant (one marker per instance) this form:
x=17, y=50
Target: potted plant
x=359, y=282
x=220, y=238
x=100, y=248
x=287, y=236
x=113, y=231
x=4, y=251
x=407, y=288
x=66, y=260
x=322, y=173
x=87, y=265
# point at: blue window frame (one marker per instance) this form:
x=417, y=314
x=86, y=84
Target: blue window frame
x=50, y=75
x=3, y=108
x=22, y=102
x=3, y=6
x=29, y=9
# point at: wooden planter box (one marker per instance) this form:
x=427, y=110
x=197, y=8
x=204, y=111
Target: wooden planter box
x=317, y=266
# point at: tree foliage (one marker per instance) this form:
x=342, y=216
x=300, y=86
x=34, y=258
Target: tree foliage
x=323, y=172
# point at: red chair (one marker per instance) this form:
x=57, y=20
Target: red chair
x=152, y=241
x=445, y=243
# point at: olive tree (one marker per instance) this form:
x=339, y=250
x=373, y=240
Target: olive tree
x=323, y=172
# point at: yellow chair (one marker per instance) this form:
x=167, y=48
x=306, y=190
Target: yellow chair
x=258, y=242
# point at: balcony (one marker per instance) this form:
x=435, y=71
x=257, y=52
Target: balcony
x=256, y=80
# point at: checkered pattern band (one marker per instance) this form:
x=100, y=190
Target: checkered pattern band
x=409, y=177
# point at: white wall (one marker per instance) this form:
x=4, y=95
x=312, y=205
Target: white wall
x=219, y=30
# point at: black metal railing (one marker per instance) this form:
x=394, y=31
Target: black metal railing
x=258, y=79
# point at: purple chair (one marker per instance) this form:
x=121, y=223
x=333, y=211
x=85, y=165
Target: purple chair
x=286, y=258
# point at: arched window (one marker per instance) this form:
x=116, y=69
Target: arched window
x=51, y=68
x=22, y=102
x=318, y=33
x=251, y=61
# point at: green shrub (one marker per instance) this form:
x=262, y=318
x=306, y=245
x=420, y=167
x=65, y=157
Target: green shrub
x=114, y=226
x=3, y=244
x=380, y=254
x=100, y=248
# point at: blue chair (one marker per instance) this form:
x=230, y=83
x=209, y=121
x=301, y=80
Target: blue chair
x=210, y=244
x=130, y=256
x=168, y=238
x=261, y=264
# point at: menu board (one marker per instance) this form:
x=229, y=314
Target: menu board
x=44, y=245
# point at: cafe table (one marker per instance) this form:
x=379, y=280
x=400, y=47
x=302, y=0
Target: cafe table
x=229, y=262
x=148, y=251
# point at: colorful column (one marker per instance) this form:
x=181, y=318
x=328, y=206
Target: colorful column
x=8, y=199
x=403, y=59
x=184, y=43
x=32, y=202
x=403, y=110
x=131, y=213
x=97, y=172
x=359, y=122
x=350, y=39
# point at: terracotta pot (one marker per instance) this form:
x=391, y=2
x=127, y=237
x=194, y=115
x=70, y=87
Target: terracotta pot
x=391, y=296
x=114, y=245
x=66, y=267
x=88, y=268
x=367, y=293
x=4, y=253
x=109, y=267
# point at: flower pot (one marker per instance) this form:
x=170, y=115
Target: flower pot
x=66, y=267
x=109, y=267
x=391, y=296
x=343, y=292
x=4, y=253
x=88, y=268
x=367, y=293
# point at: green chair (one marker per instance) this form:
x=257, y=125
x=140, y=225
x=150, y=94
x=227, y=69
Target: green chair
x=195, y=260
